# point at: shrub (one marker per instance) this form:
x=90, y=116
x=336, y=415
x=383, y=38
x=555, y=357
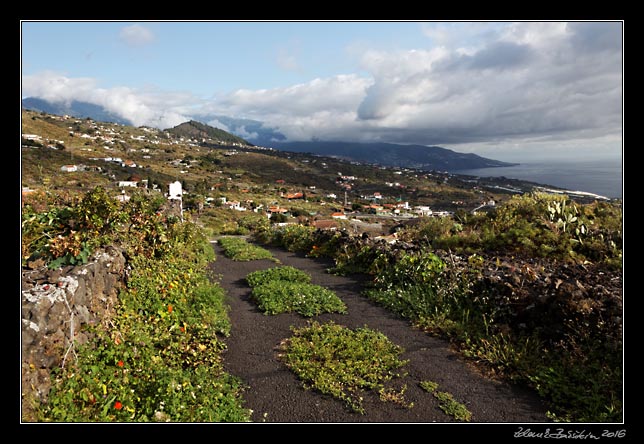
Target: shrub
x=159, y=358
x=294, y=237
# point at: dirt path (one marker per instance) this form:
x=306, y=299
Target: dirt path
x=276, y=395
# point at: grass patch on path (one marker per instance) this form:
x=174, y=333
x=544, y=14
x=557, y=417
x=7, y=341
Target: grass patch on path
x=276, y=297
x=447, y=403
x=238, y=249
x=344, y=363
x=284, y=273
x=287, y=289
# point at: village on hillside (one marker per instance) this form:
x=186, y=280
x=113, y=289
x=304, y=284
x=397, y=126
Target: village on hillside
x=207, y=175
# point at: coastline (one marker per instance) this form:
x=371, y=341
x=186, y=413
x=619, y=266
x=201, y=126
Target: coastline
x=602, y=179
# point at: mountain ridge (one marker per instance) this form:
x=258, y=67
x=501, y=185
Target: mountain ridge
x=239, y=131
x=396, y=155
x=193, y=129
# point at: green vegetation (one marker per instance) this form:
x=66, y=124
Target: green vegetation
x=279, y=296
x=447, y=403
x=287, y=289
x=531, y=291
x=238, y=249
x=291, y=237
x=538, y=225
x=577, y=370
x=283, y=273
x=342, y=362
x=64, y=229
x=159, y=358
x=198, y=130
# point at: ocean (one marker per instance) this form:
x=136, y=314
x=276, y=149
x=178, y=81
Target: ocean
x=602, y=177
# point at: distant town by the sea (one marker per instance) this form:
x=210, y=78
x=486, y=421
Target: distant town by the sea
x=602, y=177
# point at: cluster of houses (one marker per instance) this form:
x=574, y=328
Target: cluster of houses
x=109, y=137
x=72, y=168
x=35, y=139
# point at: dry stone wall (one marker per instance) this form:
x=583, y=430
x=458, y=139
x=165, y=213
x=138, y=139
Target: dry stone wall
x=55, y=306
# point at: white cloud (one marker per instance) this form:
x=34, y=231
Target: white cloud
x=245, y=134
x=536, y=83
x=53, y=87
x=314, y=109
x=532, y=80
x=151, y=108
x=217, y=124
x=136, y=35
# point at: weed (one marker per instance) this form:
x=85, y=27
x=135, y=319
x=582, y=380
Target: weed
x=238, y=249
x=447, y=403
x=344, y=363
x=276, y=296
x=283, y=273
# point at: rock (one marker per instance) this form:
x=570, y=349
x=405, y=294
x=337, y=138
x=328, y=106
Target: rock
x=35, y=264
x=51, y=299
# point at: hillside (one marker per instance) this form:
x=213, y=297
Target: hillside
x=527, y=286
x=253, y=132
x=389, y=154
x=108, y=154
x=200, y=131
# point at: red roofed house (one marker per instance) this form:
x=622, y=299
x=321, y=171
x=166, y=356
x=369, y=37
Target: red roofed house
x=276, y=210
x=325, y=224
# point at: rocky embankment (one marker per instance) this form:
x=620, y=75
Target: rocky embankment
x=55, y=306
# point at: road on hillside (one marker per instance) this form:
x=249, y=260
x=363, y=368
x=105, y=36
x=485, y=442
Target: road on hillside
x=276, y=395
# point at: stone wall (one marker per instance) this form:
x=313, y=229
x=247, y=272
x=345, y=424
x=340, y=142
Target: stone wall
x=55, y=306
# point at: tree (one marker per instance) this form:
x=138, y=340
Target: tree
x=202, y=187
x=278, y=218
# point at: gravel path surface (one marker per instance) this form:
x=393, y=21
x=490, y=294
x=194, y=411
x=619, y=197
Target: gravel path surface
x=276, y=395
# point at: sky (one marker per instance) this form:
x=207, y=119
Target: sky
x=512, y=91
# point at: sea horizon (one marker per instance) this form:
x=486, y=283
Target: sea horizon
x=602, y=177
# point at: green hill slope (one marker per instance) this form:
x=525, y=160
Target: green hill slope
x=202, y=132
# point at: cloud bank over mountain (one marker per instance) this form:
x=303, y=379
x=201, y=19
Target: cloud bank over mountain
x=526, y=82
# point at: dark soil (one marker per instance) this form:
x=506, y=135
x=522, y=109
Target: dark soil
x=275, y=394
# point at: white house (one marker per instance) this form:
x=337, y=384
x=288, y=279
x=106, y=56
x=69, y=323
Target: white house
x=69, y=168
x=423, y=210
x=403, y=205
x=234, y=205
x=175, y=191
x=128, y=183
